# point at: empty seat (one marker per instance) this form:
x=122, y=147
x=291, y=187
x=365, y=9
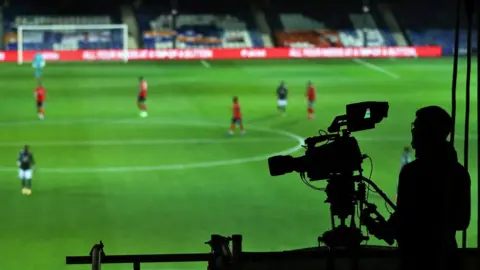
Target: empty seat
x=297, y=21
x=318, y=38
x=197, y=31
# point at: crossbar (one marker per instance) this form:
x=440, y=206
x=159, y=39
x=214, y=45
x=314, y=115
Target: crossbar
x=73, y=27
x=66, y=27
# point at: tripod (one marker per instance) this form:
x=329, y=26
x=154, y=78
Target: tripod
x=344, y=197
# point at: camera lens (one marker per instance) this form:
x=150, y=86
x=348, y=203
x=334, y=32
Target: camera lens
x=279, y=165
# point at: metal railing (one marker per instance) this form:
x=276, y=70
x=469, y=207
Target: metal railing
x=237, y=259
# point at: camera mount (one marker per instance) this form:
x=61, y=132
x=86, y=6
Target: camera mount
x=345, y=194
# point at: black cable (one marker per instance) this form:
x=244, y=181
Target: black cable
x=469, y=10
x=455, y=69
x=478, y=129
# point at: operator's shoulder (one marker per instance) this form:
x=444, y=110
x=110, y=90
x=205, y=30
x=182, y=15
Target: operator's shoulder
x=411, y=165
x=418, y=166
x=409, y=169
x=460, y=169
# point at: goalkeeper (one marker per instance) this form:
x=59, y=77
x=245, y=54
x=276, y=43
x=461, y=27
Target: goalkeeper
x=38, y=65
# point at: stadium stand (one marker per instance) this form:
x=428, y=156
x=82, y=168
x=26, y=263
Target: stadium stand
x=25, y=13
x=216, y=26
x=325, y=25
x=438, y=28
x=128, y=17
x=234, y=25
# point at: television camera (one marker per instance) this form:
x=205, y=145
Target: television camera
x=339, y=161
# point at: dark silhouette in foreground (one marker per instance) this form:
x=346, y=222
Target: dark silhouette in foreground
x=434, y=202
x=433, y=196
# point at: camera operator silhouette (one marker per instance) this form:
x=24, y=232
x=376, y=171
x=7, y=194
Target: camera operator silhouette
x=433, y=196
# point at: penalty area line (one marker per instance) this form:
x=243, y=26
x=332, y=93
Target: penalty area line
x=205, y=63
x=375, y=67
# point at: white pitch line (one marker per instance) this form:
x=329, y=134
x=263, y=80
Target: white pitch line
x=264, y=157
x=228, y=162
x=195, y=141
x=150, y=142
x=375, y=67
x=184, y=122
x=205, y=63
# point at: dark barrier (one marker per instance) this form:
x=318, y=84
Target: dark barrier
x=367, y=257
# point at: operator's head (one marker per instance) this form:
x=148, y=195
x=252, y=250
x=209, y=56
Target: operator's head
x=26, y=148
x=282, y=83
x=406, y=149
x=140, y=78
x=235, y=99
x=432, y=126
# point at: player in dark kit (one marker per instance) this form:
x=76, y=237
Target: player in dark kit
x=142, y=97
x=25, y=165
x=236, y=117
x=282, y=94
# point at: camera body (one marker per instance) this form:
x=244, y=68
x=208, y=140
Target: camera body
x=340, y=154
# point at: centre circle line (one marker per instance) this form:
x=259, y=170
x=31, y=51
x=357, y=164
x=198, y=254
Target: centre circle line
x=218, y=163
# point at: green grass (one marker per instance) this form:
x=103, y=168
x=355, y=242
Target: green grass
x=104, y=173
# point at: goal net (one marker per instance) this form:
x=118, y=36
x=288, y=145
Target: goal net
x=45, y=38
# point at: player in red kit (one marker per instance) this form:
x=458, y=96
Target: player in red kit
x=142, y=97
x=311, y=95
x=40, y=94
x=236, y=118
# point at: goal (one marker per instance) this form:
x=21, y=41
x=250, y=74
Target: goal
x=32, y=38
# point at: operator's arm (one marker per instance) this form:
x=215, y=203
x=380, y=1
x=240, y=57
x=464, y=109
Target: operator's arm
x=463, y=200
x=402, y=201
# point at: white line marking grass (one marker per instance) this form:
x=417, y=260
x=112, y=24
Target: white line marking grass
x=205, y=64
x=287, y=135
x=150, y=142
x=376, y=68
x=262, y=157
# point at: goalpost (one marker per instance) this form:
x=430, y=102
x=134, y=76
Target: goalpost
x=68, y=37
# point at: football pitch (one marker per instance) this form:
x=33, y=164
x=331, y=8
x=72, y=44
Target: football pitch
x=165, y=183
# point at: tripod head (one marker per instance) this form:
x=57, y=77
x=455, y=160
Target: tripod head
x=345, y=194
